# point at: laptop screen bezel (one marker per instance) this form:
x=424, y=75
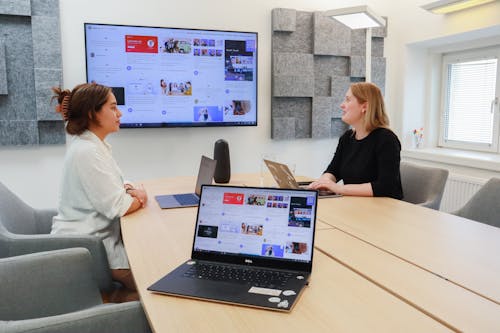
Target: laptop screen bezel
x=257, y=261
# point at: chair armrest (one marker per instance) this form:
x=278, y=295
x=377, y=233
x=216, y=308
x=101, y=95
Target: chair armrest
x=429, y=204
x=433, y=203
x=43, y=220
x=24, y=244
x=120, y=318
x=47, y=284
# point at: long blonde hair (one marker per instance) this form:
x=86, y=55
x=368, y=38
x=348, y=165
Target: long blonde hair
x=375, y=115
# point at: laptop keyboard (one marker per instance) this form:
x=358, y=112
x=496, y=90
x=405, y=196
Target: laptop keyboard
x=257, y=277
x=186, y=199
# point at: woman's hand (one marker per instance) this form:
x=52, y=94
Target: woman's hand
x=326, y=182
x=138, y=193
x=325, y=185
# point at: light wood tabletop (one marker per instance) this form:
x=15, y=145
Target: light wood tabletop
x=337, y=299
x=459, y=250
x=448, y=303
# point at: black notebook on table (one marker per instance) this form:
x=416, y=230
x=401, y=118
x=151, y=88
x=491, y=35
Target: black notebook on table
x=252, y=246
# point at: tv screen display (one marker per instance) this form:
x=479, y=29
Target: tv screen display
x=171, y=77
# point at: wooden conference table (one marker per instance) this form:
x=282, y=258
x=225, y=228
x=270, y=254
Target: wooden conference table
x=375, y=269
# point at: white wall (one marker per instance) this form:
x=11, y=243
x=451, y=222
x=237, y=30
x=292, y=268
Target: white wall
x=34, y=173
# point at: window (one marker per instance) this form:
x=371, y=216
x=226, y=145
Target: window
x=470, y=105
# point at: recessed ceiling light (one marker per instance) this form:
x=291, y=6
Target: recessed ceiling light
x=449, y=6
x=360, y=17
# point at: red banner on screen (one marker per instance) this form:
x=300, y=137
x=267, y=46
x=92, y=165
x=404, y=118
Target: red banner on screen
x=142, y=44
x=233, y=198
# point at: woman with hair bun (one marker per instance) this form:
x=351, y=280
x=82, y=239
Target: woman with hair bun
x=368, y=155
x=93, y=194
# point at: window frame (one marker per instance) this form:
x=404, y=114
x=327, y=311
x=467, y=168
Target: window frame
x=465, y=56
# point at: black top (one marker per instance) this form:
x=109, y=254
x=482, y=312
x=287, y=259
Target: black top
x=373, y=159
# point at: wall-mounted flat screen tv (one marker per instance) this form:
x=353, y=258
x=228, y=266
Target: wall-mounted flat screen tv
x=171, y=77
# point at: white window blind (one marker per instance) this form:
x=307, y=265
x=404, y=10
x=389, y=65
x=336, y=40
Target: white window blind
x=469, y=116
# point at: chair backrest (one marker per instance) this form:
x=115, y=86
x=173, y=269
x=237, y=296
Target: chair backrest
x=15, y=215
x=484, y=206
x=423, y=185
x=31, y=284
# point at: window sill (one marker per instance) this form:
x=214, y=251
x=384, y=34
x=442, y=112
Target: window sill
x=486, y=161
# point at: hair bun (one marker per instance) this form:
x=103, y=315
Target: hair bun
x=62, y=108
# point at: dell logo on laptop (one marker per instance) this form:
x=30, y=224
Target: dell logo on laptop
x=248, y=261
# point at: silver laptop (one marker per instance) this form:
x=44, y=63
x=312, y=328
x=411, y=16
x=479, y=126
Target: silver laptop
x=285, y=178
x=252, y=246
x=205, y=176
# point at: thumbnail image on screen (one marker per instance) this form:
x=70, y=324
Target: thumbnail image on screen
x=172, y=77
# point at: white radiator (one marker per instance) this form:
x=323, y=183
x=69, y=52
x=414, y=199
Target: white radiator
x=458, y=190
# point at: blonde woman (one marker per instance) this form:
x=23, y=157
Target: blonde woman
x=368, y=155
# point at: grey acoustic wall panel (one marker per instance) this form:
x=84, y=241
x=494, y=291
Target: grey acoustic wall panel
x=326, y=67
x=45, y=79
x=31, y=36
x=293, y=86
x=4, y=90
x=51, y=132
x=358, y=42
x=322, y=85
x=19, y=103
x=45, y=8
x=377, y=47
x=296, y=108
x=47, y=62
x=293, y=64
x=288, y=107
x=331, y=65
x=340, y=85
x=15, y=7
x=297, y=42
x=358, y=66
x=18, y=132
x=283, y=127
x=303, y=127
x=330, y=36
x=45, y=31
x=338, y=127
x=284, y=19
x=378, y=72
x=293, y=74
x=313, y=65
x=382, y=31
x=321, y=111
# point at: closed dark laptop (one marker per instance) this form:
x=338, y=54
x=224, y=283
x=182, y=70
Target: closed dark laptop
x=205, y=176
x=252, y=246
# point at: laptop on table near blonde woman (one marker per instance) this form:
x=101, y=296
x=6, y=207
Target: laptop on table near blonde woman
x=285, y=178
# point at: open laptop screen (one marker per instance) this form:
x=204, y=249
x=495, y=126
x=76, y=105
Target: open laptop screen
x=267, y=227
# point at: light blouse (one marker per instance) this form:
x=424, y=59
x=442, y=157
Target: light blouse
x=92, y=196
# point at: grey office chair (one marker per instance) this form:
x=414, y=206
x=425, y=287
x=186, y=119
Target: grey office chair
x=484, y=206
x=423, y=186
x=55, y=292
x=26, y=230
